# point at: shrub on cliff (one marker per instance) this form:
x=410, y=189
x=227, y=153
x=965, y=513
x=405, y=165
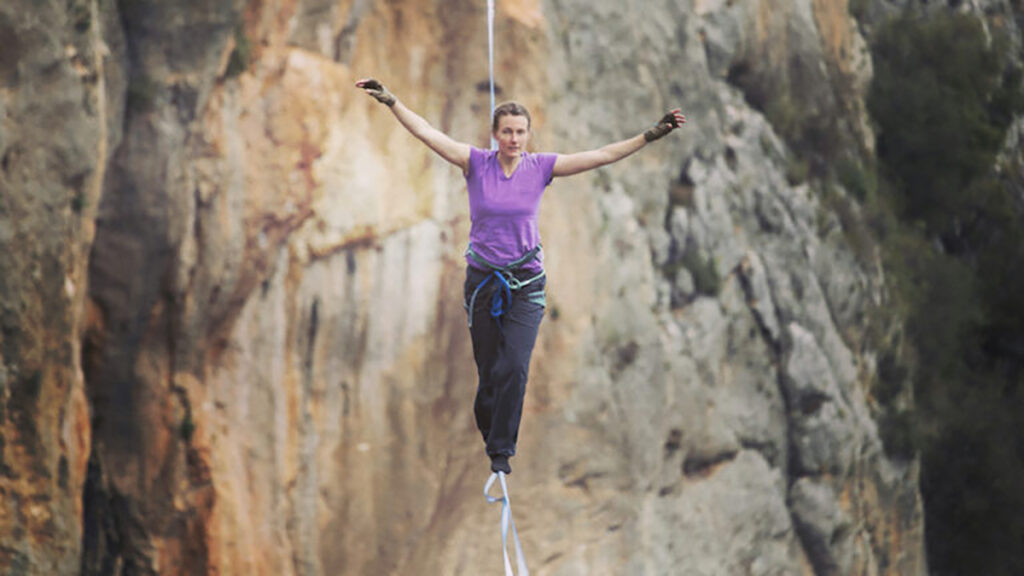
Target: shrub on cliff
x=943, y=97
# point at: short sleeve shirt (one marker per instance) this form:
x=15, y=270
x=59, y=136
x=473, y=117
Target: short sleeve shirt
x=503, y=209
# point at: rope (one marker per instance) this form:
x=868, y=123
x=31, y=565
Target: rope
x=496, y=312
x=506, y=522
x=490, y=56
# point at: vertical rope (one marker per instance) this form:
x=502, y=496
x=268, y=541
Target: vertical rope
x=490, y=56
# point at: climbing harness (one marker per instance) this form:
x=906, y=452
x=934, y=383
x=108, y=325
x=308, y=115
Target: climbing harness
x=491, y=58
x=506, y=523
x=505, y=276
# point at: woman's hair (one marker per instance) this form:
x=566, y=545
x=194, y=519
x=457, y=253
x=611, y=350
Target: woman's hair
x=510, y=109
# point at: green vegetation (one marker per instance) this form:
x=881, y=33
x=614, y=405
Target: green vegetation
x=787, y=117
x=943, y=103
x=942, y=99
x=80, y=16
x=797, y=170
x=142, y=94
x=187, y=427
x=858, y=179
x=78, y=201
x=854, y=226
x=241, y=56
x=704, y=272
x=859, y=8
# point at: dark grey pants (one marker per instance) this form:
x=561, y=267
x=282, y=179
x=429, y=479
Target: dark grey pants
x=502, y=350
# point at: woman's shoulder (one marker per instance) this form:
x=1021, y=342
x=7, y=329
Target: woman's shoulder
x=540, y=158
x=481, y=154
x=540, y=155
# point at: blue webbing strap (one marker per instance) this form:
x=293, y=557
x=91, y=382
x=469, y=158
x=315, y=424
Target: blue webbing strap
x=497, y=305
x=506, y=522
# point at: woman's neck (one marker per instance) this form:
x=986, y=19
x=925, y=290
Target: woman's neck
x=509, y=163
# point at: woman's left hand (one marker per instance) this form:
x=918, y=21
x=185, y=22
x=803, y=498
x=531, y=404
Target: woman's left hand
x=669, y=122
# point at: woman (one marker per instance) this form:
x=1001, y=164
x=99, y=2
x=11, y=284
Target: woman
x=504, y=288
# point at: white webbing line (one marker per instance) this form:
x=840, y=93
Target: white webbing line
x=506, y=522
x=490, y=56
x=506, y=505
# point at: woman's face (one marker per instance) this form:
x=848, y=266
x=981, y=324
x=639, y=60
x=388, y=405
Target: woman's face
x=512, y=135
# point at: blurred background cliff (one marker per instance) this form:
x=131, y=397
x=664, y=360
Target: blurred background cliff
x=787, y=339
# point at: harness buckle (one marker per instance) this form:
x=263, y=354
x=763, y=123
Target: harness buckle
x=513, y=282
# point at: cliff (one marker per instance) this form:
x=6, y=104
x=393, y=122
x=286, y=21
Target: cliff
x=232, y=334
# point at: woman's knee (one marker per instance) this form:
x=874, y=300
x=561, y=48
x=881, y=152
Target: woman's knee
x=510, y=371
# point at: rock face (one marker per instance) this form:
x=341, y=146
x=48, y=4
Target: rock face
x=60, y=96
x=233, y=341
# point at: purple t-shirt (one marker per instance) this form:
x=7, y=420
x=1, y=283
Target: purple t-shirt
x=503, y=210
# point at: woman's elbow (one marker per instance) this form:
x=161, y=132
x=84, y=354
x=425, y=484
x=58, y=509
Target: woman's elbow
x=607, y=157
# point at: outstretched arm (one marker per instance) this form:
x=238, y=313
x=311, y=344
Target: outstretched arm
x=569, y=164
x=455, y=152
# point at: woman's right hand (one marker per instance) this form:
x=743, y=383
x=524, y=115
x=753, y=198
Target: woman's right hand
x=377, y=90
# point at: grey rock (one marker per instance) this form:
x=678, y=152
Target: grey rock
x=759, y=297
x=679, y=226
x=823, y=428
x=825, y=528
x=683, y=287
x=742, y=498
